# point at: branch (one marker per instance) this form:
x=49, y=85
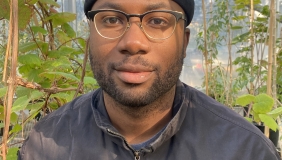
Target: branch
x=80, y=85
x=33, y=85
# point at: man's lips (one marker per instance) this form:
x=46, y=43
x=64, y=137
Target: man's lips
x=134, y=74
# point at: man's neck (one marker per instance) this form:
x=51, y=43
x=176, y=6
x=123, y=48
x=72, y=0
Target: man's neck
x=140, y=124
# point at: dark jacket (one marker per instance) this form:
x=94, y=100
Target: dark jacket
x=201, y=129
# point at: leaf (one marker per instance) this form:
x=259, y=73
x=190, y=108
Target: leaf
x=30, y=59
x=1, y=114
x=64, y=96
x=37, y=29
x=263, y=104
x=245, y=100
x=31, y=2
x=20, y=103
x=3, y=91
x=51, y=2
x=33, y=75
x=268, y=121
x=23, y=10
x=236, y=27
x=89, y=80
x=16, y=128
x=249, y=119
x=5, y=9
x=12, y=153
x=82, y=42
x=26, y=11
x=52, y=75
x=29, y=46
x=36, y=95
x=275, y=113
x=61, y=18
x=68, y=30
x=63, y=37
x=14, y=118
x=63, y=61
x=36, y=106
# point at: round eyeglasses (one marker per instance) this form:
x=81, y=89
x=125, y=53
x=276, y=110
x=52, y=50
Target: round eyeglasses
x=156, y=24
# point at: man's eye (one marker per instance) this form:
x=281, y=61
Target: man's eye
x=158, y=21
x=112, y=20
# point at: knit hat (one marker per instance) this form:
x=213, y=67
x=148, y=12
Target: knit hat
x=187, y=5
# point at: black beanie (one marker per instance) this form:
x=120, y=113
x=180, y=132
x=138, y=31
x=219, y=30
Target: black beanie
x=186, y=5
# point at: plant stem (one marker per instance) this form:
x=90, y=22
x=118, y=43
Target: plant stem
x=252, y=47
x=13, y=34
x=206, y=49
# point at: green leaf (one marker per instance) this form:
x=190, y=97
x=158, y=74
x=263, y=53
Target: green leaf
x=29, y=46
x=3, y=91
x=5, y=9
x=12, y=153
x=52, y=75
x=275, y=113
x=68, y=30
x=26, y=12
x=263, y=104
x=89, y=80
x=30, y=59
x=61, y=18
x=236, y=27
x=82, y=42
x=245, y=100
x=16, y=128
x=262, y=19
x=64, y=96
x=14, y=118
x=31, y=2
x=63, y=61
x=36, y=95
x=20, y=103
x=33, y=75
x=51, y=2
x=1, y=114
x=37, y=29
x=63, y=37
x=36, y=106
x=268, y=121
x=256, y=117
x=249, y=119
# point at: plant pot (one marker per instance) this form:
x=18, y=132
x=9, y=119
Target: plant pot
x=273, y=136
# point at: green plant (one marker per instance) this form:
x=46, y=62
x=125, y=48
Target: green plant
x=51, y=64
x=260, y=109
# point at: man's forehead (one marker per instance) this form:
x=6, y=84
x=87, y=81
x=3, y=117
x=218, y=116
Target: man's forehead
x=145, y=5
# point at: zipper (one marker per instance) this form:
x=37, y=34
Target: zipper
x=135, y=153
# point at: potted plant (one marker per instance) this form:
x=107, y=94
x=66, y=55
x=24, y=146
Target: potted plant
x=260, y=112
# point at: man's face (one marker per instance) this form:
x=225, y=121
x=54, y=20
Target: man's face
x=134, y=69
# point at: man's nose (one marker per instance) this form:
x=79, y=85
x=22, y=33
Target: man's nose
x=134, y=40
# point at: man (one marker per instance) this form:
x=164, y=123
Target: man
x=142, y=111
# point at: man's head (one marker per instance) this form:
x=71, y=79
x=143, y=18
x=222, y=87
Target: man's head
x=137, y=47
x=187, y=5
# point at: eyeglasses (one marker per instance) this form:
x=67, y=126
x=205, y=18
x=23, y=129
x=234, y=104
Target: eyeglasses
x=156, y=24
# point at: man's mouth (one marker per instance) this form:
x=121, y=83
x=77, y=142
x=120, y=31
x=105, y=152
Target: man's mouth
x=134, y=74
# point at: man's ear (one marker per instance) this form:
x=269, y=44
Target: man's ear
x=186, y=37
x=186, y=40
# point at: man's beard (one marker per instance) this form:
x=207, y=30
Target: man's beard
x=161, y=85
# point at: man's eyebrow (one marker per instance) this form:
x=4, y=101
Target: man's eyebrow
x=110, y=5
x=156, y=6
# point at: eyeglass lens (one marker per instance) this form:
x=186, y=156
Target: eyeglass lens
x=156, y=25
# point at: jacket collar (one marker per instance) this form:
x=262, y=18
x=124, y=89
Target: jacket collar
x=179, y=111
